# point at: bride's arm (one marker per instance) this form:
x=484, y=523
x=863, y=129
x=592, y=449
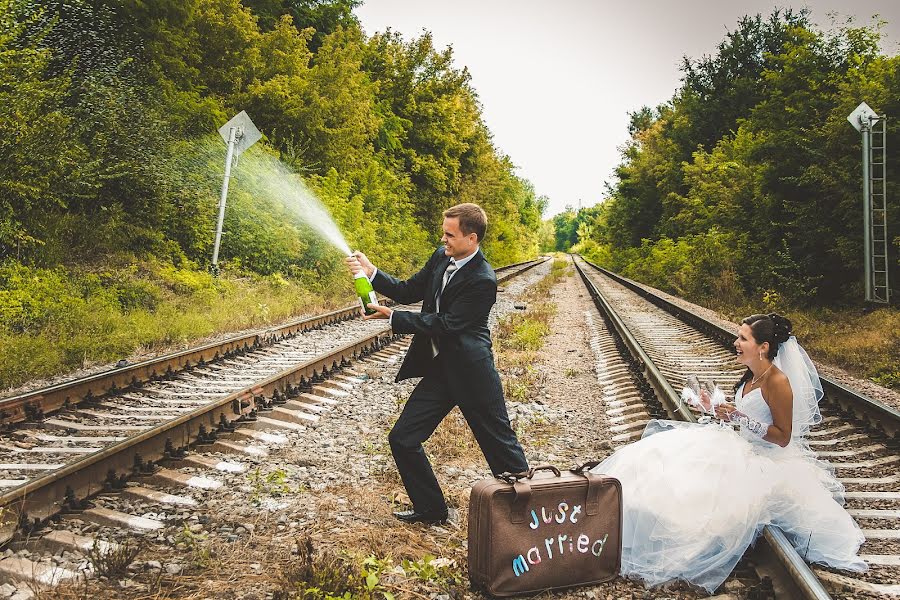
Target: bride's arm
x=781, y=403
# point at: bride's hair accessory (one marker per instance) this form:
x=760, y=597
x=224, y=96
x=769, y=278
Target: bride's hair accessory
x=781, y=328
x=771, y=328
x=758, y=428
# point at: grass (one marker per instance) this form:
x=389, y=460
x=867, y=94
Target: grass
x=371, y=557
x=862, y=343
x=525, y=331
x=114, y=561
x=325, y=575
x=55, y=321
x=518, y=339
x=452, y=443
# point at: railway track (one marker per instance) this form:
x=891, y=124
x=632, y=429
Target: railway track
x=858, y=436
x=132, y=430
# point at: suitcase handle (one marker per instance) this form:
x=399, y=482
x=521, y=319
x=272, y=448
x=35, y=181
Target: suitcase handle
x=585, y=466
x=522, y=491
x=543, y=467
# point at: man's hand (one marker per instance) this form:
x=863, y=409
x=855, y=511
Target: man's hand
x=381, y=312
x=359, y=262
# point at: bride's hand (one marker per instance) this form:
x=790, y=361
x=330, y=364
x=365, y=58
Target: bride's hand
x=723, y=411
x=705, y=401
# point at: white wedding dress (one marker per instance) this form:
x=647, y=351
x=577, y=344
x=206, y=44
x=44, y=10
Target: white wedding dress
x=696, y=496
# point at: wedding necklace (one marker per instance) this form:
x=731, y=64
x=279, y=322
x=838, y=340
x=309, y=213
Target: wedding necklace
x=753, y=380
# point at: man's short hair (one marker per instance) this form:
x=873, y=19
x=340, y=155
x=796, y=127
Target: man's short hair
x=472, y=218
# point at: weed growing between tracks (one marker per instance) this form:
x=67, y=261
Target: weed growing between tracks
x=518, y=338
x=113, y=562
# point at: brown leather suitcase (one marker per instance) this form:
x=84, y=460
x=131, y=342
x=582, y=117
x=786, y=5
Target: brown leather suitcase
x=543, y=530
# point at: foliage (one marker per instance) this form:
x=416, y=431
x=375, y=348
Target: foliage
x=274, y=483
x=109, y=157
x=430, y=570
x=114, y=559
x=748, y=179
x=54, y=320
x=329, y=576
x=525, y=332
x=201, y=555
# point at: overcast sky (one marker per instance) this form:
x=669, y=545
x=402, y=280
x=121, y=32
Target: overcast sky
x=557, y=79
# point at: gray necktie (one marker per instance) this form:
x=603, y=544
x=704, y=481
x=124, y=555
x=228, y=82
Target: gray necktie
x=451, y=268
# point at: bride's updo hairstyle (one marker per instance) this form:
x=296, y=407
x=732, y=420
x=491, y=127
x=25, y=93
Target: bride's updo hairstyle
x=772, y=328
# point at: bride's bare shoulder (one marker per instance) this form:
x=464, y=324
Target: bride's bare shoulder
x=778, y=385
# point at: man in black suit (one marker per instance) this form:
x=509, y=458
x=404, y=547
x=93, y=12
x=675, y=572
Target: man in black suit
x=451, y=351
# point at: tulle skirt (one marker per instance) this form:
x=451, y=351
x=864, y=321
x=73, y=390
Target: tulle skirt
x=696, y=496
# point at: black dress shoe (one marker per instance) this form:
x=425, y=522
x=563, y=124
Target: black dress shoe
x=429, y=518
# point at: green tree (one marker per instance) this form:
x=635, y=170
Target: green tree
x=755, y=145
x=40, y=160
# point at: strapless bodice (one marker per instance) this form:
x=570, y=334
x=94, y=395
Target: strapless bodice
x=755, y=406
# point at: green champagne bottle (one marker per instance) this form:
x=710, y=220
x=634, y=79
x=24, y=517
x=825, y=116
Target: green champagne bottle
x=364, y=291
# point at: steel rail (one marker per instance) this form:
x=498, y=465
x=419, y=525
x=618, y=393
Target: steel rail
x=36, y=404
x=526, y=265
x=807, y=584
x=41, y=498
x=33, y=405
x=868, y=410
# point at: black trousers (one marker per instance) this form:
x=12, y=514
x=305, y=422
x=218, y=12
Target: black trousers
x=481, y=403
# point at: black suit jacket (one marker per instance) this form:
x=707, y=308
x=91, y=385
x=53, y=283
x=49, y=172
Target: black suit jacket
x=460, y=329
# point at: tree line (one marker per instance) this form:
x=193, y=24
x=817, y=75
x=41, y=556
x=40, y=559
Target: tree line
x=747, y=183
x=107, y=109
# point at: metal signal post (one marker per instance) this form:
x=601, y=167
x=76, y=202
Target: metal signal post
x=873, y=128
x=239, y=134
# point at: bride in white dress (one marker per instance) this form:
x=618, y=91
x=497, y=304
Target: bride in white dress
x=696, y=496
